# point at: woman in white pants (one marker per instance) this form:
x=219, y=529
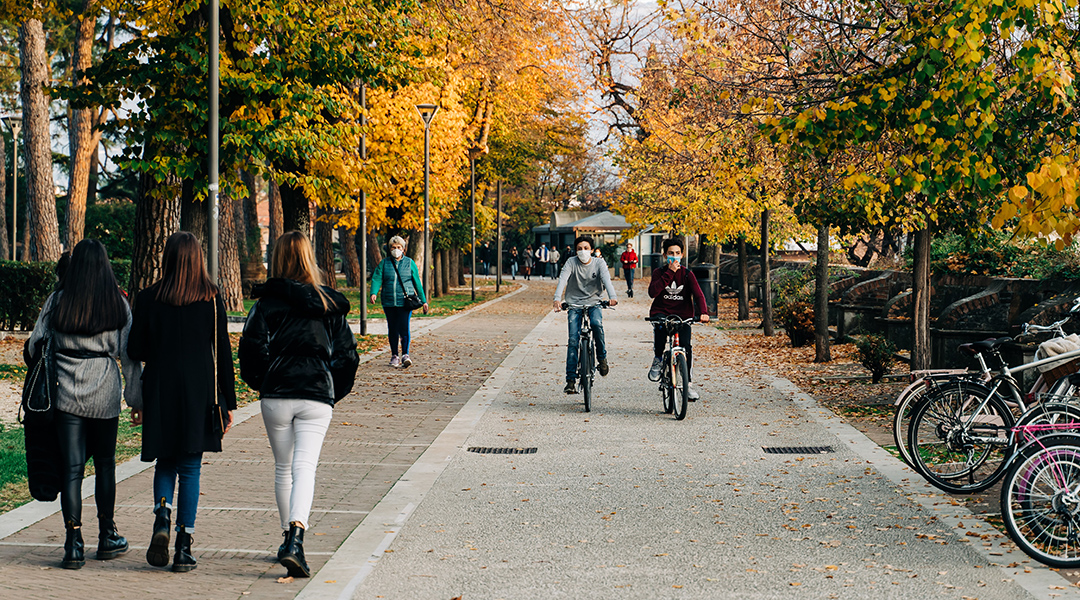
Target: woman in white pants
x=297, y=350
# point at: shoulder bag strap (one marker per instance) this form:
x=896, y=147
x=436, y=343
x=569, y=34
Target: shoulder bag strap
x=399, y=280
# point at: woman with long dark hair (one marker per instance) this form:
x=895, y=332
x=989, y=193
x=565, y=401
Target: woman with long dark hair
x=89, y=319
x=180, y=332
x=297, y=350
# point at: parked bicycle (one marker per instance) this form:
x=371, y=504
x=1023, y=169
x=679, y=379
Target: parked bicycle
x=586, y=351
x=925, y=383
x=675, y=371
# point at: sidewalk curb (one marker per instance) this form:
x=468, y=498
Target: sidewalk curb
x=20, y=518
x=1038, y=582
x=358, y=555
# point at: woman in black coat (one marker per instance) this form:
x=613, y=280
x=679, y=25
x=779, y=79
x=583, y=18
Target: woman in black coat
x=174, y=333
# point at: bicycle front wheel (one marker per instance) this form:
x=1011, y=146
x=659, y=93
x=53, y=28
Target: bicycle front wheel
x=585, y=368
x=902, y=420
x=666, y=391
x=680, y=386
x=1039, y=505
x=958, y=446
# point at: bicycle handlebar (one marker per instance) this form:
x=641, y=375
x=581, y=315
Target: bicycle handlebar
x=601, y=304
x=672, y=319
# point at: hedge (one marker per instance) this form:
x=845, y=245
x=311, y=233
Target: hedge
x=27, y=285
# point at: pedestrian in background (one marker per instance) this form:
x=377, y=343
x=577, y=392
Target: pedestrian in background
x=542, y=260
x=297, y=350
x=514, y=260
x=180, y=333
x=629, y=260
x=553, y=262
x=398, y=277
x=527, y=262
x=89, y=321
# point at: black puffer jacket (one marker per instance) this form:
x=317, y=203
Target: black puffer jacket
x=292, y=347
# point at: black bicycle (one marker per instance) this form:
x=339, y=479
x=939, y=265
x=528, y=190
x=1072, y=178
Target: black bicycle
x=675, y=372
x=586, y=353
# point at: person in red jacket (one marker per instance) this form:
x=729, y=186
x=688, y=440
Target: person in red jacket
x=629, y=263
x=675, y=291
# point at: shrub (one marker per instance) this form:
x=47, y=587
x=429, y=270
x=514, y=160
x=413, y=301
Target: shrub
x=797, y=319
x=112, y=222
x=876, y=354
x=27, y=286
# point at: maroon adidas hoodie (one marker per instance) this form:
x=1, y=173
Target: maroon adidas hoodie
x=676, y=293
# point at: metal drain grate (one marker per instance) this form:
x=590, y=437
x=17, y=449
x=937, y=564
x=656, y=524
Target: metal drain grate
x=482, y=450
x=797, y=449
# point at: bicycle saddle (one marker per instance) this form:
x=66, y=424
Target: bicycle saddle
x=974, y=348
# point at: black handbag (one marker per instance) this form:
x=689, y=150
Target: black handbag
x=412, y=301
x=217, y=415
x=39, y=431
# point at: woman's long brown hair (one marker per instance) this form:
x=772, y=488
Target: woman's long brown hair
x=90, y=301
x=183, y=272
x=295, y=259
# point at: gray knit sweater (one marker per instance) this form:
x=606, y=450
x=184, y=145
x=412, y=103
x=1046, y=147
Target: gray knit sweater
x=583, y=283
x=90, y=387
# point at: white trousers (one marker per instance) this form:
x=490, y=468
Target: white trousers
x=296, y=429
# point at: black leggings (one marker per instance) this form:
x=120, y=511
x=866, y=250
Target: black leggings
x=81, y=437
x=660, y=345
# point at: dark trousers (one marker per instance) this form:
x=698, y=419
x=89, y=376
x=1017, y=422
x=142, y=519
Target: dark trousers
x=660, y=344
x=397, y=327
x=629, y=278
x=81, y=438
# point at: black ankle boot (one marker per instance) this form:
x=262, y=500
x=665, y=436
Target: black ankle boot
x=110, y=543
x=293, y=559
x=284, y=547
x=158, y=552
x=74, y=554
x=183, y=561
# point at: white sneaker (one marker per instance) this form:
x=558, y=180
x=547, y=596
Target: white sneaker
x=406, y=362
x=692, y=393
x=395, y=361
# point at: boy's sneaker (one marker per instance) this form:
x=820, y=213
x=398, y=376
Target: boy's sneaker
x=629, y=293
x=571, y=387
x=692, y=394
x=395, y=361
x=406, y=362
x=602, y=367
x=654, y=370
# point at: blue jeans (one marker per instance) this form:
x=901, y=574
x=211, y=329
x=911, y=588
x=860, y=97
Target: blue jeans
x=573, y=319
x=186, y=467
x=397, y=326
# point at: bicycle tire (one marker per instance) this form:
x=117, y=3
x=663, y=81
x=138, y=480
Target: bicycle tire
x=1051, y=413
x=902, y=421
x=942, y=447
x=1035, y=507
x=585, y=371
x=680, y=386
x=667, y=392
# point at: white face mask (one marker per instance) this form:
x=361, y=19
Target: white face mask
x=396, y=252
x=584, y=256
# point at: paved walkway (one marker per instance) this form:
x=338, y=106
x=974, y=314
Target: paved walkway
x=622, y=502
x=377, y=433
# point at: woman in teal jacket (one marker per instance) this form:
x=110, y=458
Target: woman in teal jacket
x=386, y=277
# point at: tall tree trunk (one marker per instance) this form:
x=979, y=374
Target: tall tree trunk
x=277, y=224
x=766, y=280
x=295, y=210
x=437, y=288
x=350, y=261
x=4, y=255
x=744, y=281
x=445, y=257
x=157, y=216
x=83, y=138
x=193, y=215
x=92, y=178
x=232, y=290
x=324, y=246
x=459, y=266
x=822, y=351
x=375, y=255
x=42, y=222
x=920, y=277
x=248, y=251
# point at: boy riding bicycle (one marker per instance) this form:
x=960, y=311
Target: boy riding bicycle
x=583, y=278
x=675, y=291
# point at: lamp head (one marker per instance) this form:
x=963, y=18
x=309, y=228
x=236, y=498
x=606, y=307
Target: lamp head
x=14, y=122
x=427, y=112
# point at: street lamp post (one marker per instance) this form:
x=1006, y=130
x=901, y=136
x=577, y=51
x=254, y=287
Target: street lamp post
x=472, y=211
x=427, y=113
x=498, y=234
x=15, y=123
x=363, y=216
x=213, y=135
